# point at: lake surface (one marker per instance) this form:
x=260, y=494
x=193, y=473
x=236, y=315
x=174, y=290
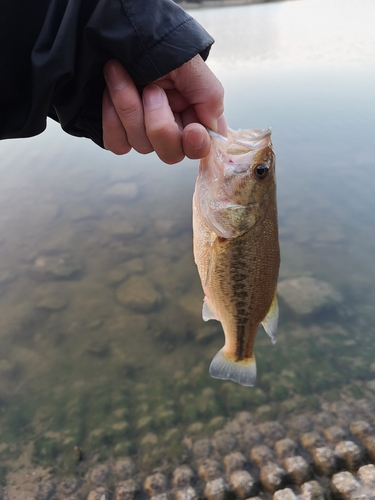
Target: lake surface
x=102, y=345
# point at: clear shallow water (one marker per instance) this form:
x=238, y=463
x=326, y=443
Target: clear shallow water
x=81, y=231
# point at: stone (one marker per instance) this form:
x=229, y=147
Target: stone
x=52, y=303
x=311, y=440
x=262, y=455
x=45, y=489
x=273, y=431
x=155, y=484
x=350, y=454
x=334, y=434
x=371, y=384
x=69, y=485
x=312, y=491
x=224, y=441
x=56, y=268
x=234, y=461
x=139, y=294
x=98, y=494
x=272, y=477
x=366, y=474
x=216, y=489
x=301, y=423
x=252, y=436
x=285, y=448
x=343, y=484
x=285, y=494
x=325, y=460
x=188, y=493
x=122, y=230
x=369, y=444
x=361, y=429
x=100, y=474
x=306, y=295
x=125, y=468
x=126, y=490
x=298, y=469
x=122, y=191
x=242, y=484
x=244, y=418
x=182, y=476
x=202, y=448
x=209, y=470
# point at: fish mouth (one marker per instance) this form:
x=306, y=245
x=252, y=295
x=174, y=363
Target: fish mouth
x=241, y=141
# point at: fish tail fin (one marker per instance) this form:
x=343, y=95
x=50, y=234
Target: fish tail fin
x=242, y=372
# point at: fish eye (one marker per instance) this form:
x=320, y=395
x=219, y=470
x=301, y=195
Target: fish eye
x=261, y=170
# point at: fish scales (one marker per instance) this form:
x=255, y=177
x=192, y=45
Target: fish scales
x=236, y=247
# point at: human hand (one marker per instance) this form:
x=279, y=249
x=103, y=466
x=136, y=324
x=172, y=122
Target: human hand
x=170, y=116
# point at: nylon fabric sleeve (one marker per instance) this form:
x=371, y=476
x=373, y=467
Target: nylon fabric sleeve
x=53, y=60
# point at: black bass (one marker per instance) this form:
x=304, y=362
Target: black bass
x=236, y=246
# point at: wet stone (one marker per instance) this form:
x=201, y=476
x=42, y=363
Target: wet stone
x=45, y=490
x=300, y=423
x=224, y=441
x=323, y=419
x=334, y=434
x=350, y=454
x=252, y=436
x=361, y=429
x=202, y=449
x=55, y=267
x=285, y=494
x=52, y=303
x=69, y=485
x=244, y=418
x=100, y=474
x=242, y=484
x=285, y=448
x=369, y=444
x=126, y=490
x=125, y=468
x=273, y=431
x=216, y=489
x=311, y=440
x=234, y=461
x=98, y=494
x=160, y=496
x=298, y=469
x=325, y=460
x=312, y=491
x=343, y=484
x=272, y=477
x=138, y=294
x=155, y=484
x=186, y=494
x=261, y=455
x=366, y=474
x=182, y=476
x=209, y=469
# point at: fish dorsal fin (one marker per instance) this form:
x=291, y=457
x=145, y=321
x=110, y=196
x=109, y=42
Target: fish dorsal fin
x=207, y=313
x=270, y=321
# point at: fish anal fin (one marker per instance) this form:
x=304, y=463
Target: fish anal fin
x=270, y=321
x=207, y=313
x=242, y=372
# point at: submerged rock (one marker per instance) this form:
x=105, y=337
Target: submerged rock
x=343, y=484
x=122, y=191
x=312, y=491
x=139, y=294
x=306, y=295
x=285, y=494
x=56, y=267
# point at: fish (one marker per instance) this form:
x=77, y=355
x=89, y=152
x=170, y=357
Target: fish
x=236, y=246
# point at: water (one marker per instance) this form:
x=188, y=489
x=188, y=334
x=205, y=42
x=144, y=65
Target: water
x=82, y=232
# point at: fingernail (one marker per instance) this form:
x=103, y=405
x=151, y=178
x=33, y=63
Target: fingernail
x=113, y=77
x=195, y=138
x=152, y=97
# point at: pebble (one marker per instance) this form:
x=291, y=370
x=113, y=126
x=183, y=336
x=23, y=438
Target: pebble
x=325, y=460
x=122, y=191
x=252, y=436
x=126, y=490
x=334, y=434
x=216, y=489
x=366, y=475
x=69, y=485
x=46, y=489
x=186, y=494
x=343, y=484
x=98, y=494
x=312, y=491
x=300, y=423
x=298, y=469
x=350, y=454
x=242, y=484
x=361, y=429
x=272, y=477
x=155, y=484
x=138, y=294
x=234, y=461
x=285, y=494
x=100, y=474
x=55, y=267
x=285, y=448
x=244, y=417
x=182, y=476
x=224, y=441
x=209, y=469
x=311, y=440
x=369, y=444
x=202, y=448
x=273, y=431
x=125, y=468
x=262, y=455
x=52, y=304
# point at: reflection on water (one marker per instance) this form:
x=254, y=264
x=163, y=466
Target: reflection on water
x=102, y=344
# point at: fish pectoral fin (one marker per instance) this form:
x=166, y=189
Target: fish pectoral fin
x=242, y=372
x=211, y=262
x=270, y=321
x=207, y=313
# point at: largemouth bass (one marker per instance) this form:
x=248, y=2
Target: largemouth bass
x=236, y=246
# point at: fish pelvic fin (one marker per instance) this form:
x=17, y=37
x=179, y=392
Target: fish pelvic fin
x=242, y=372
x=207, y=312
x=270, y=321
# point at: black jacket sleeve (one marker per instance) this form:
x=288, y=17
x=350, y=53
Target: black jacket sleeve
x=52, y=54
